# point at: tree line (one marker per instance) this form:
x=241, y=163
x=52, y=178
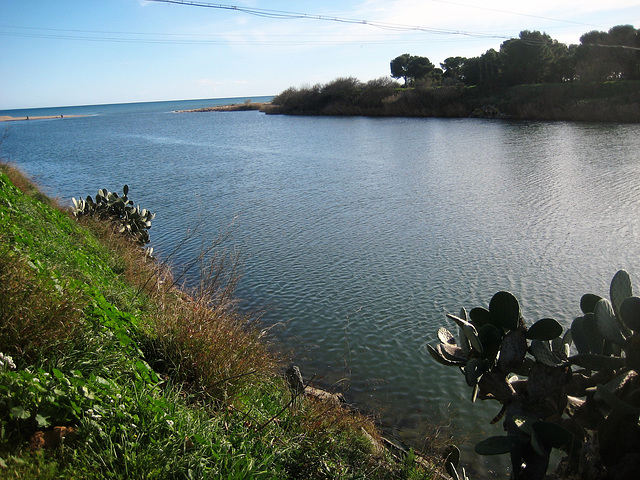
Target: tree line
x=534, y=57
x=530, y=77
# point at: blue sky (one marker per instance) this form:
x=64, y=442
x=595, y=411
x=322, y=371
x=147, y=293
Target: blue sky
x=77, y=52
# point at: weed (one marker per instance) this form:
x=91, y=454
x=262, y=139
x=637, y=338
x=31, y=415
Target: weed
x=39, y=314
x=206, y=343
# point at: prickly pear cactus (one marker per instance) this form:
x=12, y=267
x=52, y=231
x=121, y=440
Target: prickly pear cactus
x=131, y=221
x=576, y=390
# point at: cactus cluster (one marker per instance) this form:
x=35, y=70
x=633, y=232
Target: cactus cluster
x=576, y=390
x=130, y=220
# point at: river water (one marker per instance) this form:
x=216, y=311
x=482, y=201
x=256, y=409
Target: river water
x=360, y=234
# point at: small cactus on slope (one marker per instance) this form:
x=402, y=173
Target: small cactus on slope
x=130, y=220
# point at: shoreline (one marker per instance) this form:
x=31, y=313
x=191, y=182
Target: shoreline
x=234, y=107
x=7, y=118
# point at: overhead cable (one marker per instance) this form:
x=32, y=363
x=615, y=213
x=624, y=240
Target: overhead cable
x=201, y=39
x=284, y=15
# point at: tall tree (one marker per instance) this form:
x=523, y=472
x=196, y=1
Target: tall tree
x=628, y=58
x=527, y=59
x=411, y=68
x=419, y=68
x=452, y=67
x=482, y=70
x=592, y=61
x=605, y=56
x=400, y=67
x=563, y=68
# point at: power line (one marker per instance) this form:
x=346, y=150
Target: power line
x=227, y=39
x=200, y=39
x=259, y=40
x=285, y=15
x=112, y=32
x=254, y=42
x=514, y=13
x=383, y=25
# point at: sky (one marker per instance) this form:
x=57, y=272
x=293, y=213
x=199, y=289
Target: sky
x=85, y=52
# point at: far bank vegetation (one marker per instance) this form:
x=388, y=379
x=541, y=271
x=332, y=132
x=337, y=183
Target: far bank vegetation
x=532, y=76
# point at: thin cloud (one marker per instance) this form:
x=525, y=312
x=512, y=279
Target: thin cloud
x=208, y=81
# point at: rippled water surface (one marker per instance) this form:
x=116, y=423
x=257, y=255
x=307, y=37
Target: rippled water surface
x=360, y=234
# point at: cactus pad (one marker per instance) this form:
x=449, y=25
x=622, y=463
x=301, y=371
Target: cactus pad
x=505, y=310
x=545, y=329
x=496, y=445
x=620, y=289
x=593, y=361
x=607, y=322
x=469, y=330
x=445, y=336
x=440, y=358
x=630, y=313
x=479, y=317
x=543, y=354
x=512, y=350
x=588, y=302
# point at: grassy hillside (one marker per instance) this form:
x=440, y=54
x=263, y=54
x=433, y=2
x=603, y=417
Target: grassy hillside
x=108, y=371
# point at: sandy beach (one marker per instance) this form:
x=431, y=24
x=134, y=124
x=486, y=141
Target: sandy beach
x=15, y=119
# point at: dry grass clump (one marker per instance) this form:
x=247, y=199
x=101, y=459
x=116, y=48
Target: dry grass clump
x=203, y=339
x=136, y=266
x=37, y=314
x=198, y=336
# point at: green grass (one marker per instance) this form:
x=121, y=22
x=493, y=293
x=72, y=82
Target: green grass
x=154, y=382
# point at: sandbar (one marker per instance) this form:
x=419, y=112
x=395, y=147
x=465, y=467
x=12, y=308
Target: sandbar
x=7, y=118
x=234, y=107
